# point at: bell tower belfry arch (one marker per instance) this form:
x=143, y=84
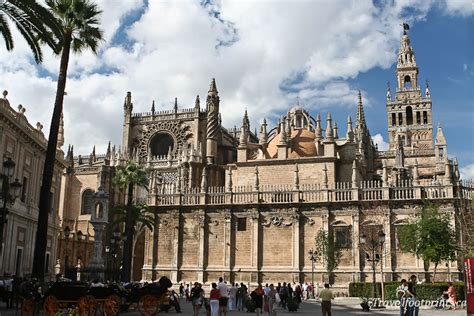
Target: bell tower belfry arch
x=409, y=113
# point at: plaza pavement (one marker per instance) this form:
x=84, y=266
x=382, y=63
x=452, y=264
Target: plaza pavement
x=341, y=306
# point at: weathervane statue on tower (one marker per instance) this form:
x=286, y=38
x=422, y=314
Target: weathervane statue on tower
x=406, y=27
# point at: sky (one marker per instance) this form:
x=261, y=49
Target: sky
x=265, y=55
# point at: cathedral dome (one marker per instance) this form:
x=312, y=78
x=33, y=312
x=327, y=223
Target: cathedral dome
x=302, y=144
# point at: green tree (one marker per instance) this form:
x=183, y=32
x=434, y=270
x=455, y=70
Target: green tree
x=430, y=236
x=127, y=177
x=327, y=251
x=79, y=21
x=36, y=23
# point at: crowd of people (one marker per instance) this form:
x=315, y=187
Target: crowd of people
x=222, y=297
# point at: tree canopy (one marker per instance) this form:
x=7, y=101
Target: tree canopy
x=327, y=251
x=430, y=236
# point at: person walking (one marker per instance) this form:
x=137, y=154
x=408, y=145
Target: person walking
x=214, y=300
x=223, y=297
x=452, y=297
x=284, y=295
x=326, y=296
x=272, y=301
x=402, y=296
x=413, y=307
x=233, y=296
x=257, y=297
x=197, y=295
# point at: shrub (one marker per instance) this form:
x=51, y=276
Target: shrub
x=425, y=291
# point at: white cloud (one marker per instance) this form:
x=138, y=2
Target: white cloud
x=260, y=54
x=458, y=7
x=381, y=144
x=467, y=172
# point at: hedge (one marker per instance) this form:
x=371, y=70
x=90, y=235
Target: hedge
x=425, y=291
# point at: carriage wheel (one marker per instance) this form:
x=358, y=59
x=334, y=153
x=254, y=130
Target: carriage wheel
x=87, y=305
x=27, y=307
x=148, y=305
x=112, y=305
x=50, y=305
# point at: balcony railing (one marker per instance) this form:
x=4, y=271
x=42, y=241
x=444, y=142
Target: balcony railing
x=311, y=193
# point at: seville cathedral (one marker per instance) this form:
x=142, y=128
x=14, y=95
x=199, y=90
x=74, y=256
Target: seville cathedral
x=247, y=207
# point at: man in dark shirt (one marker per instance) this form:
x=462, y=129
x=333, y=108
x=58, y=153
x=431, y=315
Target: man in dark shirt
x=413, y=307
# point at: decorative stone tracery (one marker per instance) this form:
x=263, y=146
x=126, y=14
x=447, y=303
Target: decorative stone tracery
x=178, y=130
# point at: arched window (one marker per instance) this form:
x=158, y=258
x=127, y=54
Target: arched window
x=87, y=205
x=400, y=119
x=160, y=144
x=418, y=118
x=409, y=115
x=99, y=210
x=425, y=117
x=394, y=119
x=407, y=82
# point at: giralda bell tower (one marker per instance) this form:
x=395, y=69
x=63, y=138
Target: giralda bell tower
x=409, y=114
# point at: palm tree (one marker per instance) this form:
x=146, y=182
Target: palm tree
x=79, y=21
x=36, y=24
x=127, y=177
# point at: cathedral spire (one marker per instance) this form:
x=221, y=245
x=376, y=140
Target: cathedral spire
x=197, y=103
x=175, y=107
x=153, y=107
x=407, y=70
x=319, y=130
x=263, y=139
x=329, y=131
x=350, y=131
x=212, y=128
x=127, y=104
x=212, y=88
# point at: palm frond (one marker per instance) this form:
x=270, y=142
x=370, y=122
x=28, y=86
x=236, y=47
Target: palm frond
x=6, y=32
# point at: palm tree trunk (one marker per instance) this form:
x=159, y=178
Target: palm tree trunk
x=45, y=202
x=127, y=248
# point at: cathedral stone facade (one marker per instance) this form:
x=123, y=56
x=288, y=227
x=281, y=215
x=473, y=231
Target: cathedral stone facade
x=248, y=207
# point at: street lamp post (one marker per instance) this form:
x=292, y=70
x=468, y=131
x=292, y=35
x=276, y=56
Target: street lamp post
x=374, y=243
x=66, y=233
x=9, y=193
x=115, y=241
x=312, y=257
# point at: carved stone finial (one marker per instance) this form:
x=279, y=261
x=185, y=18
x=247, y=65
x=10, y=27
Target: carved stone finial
x=5, y=93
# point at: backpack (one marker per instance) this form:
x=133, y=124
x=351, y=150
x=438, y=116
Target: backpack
x=195, y=293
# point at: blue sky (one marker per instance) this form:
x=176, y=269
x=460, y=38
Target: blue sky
x=264, y=55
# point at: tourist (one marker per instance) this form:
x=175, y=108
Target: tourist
x=257, y=297
x=181, y=290
x=197, y=295
x=273, y=300
x=413, y=306
x=326, y=296
x=233, y=296
x=283, y=295
x=452, y=298
x=214, y=300
x=402, y=296
x=241, y=295
x=174, y=301
x=305, y=291
x=223, y=297
x=186, y=293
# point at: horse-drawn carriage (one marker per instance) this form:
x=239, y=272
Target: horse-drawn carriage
x=81, y=298
x=151, y=298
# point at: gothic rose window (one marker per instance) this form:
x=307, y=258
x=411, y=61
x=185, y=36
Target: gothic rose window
x=160, y=144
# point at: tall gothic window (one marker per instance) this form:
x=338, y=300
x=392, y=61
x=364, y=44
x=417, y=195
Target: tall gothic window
x=394, y=119
x=400, y=119
x=425, y=117
x=409, y=115
x=87, y=204
x=418, y=118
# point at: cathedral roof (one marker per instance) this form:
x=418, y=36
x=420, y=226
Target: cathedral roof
x=302, y=144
